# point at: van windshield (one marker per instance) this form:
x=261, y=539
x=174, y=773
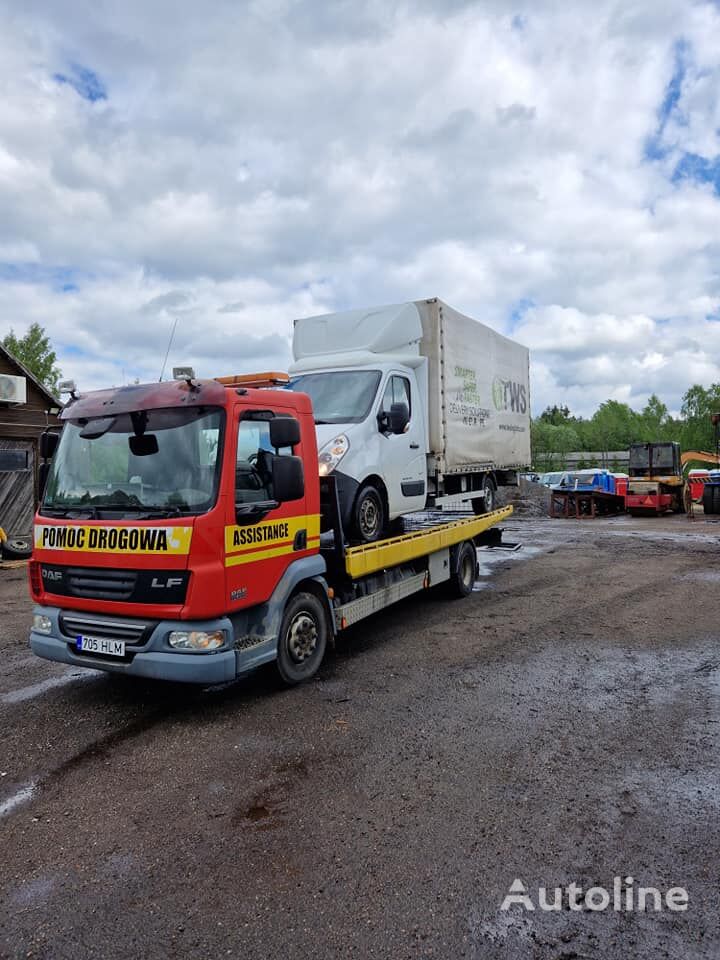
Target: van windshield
x=339, y=396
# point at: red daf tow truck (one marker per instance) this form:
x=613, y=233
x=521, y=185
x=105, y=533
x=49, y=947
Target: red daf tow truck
x=187, y=533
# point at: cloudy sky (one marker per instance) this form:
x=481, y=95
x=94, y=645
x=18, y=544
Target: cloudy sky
x=550, y=168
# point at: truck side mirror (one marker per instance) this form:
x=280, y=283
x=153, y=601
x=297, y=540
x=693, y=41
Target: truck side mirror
x=48, y=444
x=399, y=417
x=43, y=474
x=284, y=432
x=288, y=478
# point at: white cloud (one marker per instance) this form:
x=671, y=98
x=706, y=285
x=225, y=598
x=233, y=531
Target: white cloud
x=256, y=163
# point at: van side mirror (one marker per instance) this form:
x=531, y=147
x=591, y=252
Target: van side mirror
x=399, y=417
x=48, y=444
x=284, y=432
x=288, y=478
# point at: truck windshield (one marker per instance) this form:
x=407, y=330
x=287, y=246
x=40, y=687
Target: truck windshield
x=160, y=461
x=339, y=396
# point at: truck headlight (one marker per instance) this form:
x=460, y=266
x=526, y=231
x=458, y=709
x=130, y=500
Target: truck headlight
x=41, y=623
x=331, y=454
x=196, y=639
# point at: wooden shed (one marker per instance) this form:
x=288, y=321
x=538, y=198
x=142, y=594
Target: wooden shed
x=26, y=409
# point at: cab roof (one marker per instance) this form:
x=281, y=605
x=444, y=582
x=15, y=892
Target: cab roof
x=176, y=393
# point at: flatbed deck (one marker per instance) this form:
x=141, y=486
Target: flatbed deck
x=426, y=534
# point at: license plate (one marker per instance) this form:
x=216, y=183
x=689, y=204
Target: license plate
x=107, y=648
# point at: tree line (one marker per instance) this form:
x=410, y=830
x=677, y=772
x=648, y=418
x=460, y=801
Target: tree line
x=614, y=426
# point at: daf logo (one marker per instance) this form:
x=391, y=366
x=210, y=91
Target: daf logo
x=52, y=574
x=167, y=584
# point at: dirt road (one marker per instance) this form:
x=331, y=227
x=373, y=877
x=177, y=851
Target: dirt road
x=560, y=725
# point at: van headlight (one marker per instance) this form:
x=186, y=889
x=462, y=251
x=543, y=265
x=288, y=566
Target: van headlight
x=331, y=454
x=196, y=639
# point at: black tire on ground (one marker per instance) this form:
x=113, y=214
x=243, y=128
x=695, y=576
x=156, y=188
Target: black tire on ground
x=708, y=498
x=303, y=638
x=716, y=499
x=16, y=548
x=463, y=569
x=485, y=504
x=369, y=519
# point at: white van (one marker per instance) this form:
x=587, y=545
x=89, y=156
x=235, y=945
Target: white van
x=416, y=405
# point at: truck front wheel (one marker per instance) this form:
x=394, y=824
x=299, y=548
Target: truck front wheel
x=303, y=638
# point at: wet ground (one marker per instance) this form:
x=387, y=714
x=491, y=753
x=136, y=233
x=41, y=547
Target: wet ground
x=559, y=725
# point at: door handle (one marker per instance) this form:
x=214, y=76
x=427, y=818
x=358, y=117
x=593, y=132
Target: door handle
x=414, y=446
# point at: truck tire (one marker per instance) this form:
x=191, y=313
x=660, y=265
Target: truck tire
x=715, y=508
x=708, y=499
x=463, y=566
x=369, y=518
x=302, y=640
x=16, y=548
x=485, y=504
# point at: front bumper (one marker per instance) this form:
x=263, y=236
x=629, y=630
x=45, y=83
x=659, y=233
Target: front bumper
x=154, y=658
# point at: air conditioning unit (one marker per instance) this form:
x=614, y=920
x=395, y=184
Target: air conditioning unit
x=12, y=389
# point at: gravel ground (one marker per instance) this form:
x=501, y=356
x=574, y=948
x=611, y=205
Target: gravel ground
x=559, y=725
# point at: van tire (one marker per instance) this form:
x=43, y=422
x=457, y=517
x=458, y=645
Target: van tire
x=369, y=519
x=486, y=503
x=302, y=640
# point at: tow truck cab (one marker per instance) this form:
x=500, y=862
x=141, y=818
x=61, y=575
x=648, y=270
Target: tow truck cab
x=176, y=522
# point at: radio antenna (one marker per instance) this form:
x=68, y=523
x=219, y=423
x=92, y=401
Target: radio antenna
x=167, y=352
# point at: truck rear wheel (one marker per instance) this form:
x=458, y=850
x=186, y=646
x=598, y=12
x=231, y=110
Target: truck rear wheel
x=303, y=638
x=464, y=565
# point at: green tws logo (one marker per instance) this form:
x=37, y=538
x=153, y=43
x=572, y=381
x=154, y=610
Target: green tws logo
x=509, y=395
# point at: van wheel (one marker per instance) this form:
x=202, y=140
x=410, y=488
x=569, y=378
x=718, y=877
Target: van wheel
x=464, y=568
x=303, y=638
x=369, y=515
x=485, y=504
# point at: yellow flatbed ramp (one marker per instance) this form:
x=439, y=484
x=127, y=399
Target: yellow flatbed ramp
x=371, y=557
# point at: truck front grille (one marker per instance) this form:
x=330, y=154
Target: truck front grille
x=99, y=583
x=133, y=632
x=119, y=586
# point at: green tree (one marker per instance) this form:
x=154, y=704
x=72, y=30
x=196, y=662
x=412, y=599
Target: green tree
x=654, y=421
x=551, y=444
x=614, y=426
x=35, y=352
x=698, y=404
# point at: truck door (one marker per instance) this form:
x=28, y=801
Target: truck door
x=263, y=537
x=403, y=454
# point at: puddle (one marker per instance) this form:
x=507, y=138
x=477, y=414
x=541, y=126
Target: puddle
x=36, y=689
x=491, y=558
x=705, y=576
x=22, y=796
x=34, y=892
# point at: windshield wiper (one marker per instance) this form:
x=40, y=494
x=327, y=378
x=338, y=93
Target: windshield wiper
x=74, y=513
